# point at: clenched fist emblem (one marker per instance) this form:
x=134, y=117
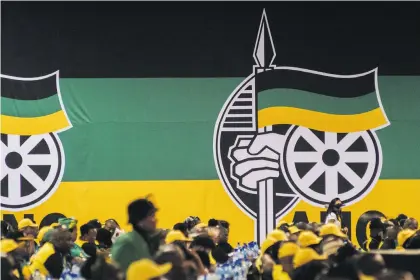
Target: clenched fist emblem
x=256, y=158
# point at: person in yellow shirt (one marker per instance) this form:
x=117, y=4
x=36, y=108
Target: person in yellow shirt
x=50, y=260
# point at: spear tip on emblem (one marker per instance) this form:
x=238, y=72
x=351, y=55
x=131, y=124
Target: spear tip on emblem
x=264, y=52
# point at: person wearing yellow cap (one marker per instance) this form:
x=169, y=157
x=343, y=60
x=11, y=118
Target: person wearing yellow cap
x=306, y=255
x=404, y=237
x=42, y=233
x=278, y=235
x=333, y=238
x=332, y=230
x=147, y=270
x=286, y=254
x=176, y=235
x=14, y=253
x=28, y=227
x=293, y=233
x=265, y=260
x=308, y=239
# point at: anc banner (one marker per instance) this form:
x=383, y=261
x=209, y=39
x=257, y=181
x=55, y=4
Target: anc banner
x=220, y=113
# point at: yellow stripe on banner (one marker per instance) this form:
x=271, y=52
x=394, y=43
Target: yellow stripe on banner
x=206, y=199
x=321, y=121
x=32, y=126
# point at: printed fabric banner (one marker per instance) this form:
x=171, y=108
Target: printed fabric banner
x=252, y=113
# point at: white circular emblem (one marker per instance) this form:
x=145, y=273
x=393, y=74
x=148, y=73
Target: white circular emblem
x=321, y=166
x=32, y=168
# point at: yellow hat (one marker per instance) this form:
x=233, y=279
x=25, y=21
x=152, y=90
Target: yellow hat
x=365, y=277
x=8, y=245
x=308, y=238
x=175, y=235
x=279, y=235
x=281, y=223
x=147, y=269
x=279, y=274
x=294, y=229
x=26, y=223
x=404, y=235
x=288, y=249
x=306, y=255
x=331, y=229
x=42, y=232
x=267, y=243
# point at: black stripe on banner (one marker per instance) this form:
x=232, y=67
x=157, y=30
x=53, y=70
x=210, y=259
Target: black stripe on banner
x=237, y=125
x=28, y=90
x=336, y=87
x=245, y=95
x=239, y=119
x=240, y=111
x=140, y=39
x=242, y=103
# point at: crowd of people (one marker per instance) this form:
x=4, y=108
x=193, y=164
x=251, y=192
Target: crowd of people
x=194, y=249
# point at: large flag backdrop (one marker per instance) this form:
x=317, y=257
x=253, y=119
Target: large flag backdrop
x=153, y=97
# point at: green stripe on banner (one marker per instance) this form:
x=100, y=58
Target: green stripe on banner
x=317, y=102
x=162, y=129
x=30, y=108
x=142, y=129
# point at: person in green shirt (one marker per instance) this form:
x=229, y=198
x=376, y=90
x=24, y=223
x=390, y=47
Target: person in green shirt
x=137, y=244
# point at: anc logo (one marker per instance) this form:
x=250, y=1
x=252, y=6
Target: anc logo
x=287, y=134
x=32, y=155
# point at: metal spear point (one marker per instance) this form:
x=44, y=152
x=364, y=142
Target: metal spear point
x=264, y=55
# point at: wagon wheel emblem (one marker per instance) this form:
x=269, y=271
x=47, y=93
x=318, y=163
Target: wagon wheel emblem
x=31, y=169
x=322, y=165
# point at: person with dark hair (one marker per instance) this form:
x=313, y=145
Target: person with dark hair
x=95, y=223
x=191, y=222
x=213, y=223
x=86, y=269
x=137, y=244
x=87, y=235
x=104, y=238
x=224, y=224
x=182, y=228
x=204, y=243
x=401, y=219
x=334, y=213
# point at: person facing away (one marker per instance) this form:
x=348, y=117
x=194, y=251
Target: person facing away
x=136, y=245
